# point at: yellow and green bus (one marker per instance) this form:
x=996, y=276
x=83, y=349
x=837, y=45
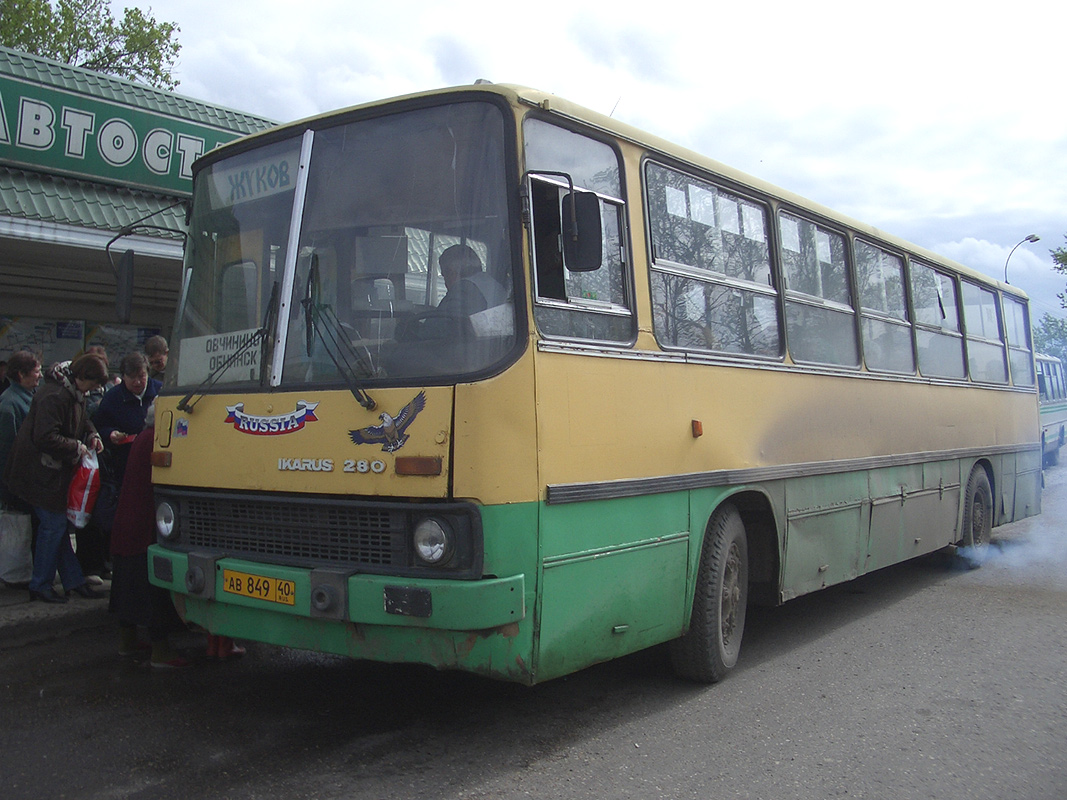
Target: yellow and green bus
x=481, y=379
x=1052, y=391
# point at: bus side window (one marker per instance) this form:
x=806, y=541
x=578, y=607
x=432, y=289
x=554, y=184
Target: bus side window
x=1017, y=327
x=937, y=323
x=985, y=341
x=883, y=310
x=712, y=284
x=819, y=318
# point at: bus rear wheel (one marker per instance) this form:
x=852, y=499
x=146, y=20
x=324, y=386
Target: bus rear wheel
x=709, y=650
x=977, y=516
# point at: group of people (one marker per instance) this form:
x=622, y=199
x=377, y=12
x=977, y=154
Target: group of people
x=48, y=423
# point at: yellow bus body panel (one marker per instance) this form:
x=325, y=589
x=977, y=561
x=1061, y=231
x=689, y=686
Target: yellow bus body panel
x=317, y=457
x=590, y=430
x=495, y=453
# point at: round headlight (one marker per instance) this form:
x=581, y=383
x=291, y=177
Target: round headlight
x=165, y=521
x=433, y=541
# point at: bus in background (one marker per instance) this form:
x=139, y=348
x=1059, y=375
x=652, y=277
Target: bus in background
x=1052, y=390
x=481, y=379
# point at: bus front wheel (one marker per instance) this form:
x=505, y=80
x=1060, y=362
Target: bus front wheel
x=709, y=650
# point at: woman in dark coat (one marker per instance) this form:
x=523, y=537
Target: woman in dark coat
x=49, y=446
x=134, y=600
x=121, y=414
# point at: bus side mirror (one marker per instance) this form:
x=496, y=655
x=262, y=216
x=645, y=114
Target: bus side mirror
x=124, y=288
x=583, y=243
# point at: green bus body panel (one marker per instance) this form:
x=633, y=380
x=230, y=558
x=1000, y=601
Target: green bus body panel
x=1028, y=483
x=580, y=583
x=457, y=605
x=575, y=528
x=914, y=510
x=606, y=606
x=1053, y=416
x=484, y=626
x=479, y=626
x=509, y=534
x=502, y=653
x=614, y=579
x=825, y=515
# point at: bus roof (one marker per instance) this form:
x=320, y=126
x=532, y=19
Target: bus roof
x=554, y=105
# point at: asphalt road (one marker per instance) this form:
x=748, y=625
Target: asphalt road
x=926, y=680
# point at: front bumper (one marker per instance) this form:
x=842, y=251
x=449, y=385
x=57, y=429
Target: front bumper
x=363, y=599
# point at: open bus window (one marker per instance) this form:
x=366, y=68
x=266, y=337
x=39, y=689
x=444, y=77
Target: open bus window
x=576, y=303
x=712, y=284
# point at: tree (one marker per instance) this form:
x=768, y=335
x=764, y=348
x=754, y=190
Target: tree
x=1059, y=263
x=1050, y=336
x=84, y=33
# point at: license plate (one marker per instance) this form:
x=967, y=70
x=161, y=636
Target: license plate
x=273, y=590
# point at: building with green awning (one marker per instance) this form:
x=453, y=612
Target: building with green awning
x=85, y=157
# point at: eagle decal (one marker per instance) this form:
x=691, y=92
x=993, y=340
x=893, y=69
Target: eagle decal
x=391, y=433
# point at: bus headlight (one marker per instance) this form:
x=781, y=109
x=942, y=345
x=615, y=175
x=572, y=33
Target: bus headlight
x=434, y=541
x=166, y=521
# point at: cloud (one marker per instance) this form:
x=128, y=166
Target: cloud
x=948, y=133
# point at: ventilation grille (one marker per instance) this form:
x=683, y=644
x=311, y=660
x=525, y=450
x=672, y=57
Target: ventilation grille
x=277, y=530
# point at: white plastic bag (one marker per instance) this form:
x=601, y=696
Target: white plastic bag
x=16, y=542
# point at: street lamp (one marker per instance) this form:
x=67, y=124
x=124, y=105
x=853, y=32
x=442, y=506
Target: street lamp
x=1033, y=237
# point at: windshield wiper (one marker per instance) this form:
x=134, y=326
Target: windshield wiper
x=320, y=321
x=262, y=335
x=270, y=322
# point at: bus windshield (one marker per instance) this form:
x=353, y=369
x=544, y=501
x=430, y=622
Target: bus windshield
x=402, y=270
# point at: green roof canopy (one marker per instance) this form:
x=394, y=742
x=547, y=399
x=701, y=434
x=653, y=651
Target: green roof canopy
x=80, y=149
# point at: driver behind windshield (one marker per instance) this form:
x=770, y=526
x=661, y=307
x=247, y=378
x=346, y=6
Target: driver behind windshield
x=469, y=289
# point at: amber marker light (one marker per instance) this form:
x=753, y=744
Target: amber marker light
x=418, y=465
x=698, y=428
x=161, y=458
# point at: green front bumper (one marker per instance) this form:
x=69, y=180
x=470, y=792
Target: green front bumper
x=479, y=626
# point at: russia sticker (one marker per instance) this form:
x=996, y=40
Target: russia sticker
x=273, y=425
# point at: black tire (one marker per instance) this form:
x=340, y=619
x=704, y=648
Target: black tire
x=977, y=510
x=710, y=648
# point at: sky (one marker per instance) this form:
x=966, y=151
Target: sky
x=940, y=122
